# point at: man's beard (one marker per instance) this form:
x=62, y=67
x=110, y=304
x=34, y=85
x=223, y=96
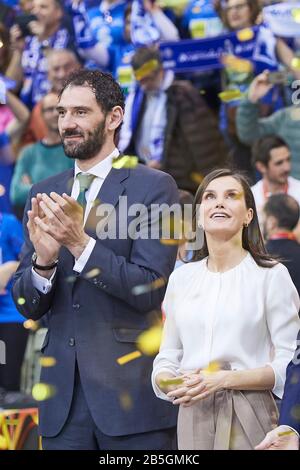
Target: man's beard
x=87, y=149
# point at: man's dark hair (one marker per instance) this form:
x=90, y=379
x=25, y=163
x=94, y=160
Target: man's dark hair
x=261, y=150
x=107, y=91
x=285, y=209
x=143, y=55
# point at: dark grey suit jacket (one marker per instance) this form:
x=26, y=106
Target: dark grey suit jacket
x=96, y=319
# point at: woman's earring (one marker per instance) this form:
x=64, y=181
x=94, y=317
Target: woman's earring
x=246, y=225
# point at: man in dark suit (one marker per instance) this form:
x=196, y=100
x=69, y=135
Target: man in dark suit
x=281, y=216
x=286, y=435
x=80, y=276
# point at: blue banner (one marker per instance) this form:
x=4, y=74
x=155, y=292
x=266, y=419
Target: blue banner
x=253, y=44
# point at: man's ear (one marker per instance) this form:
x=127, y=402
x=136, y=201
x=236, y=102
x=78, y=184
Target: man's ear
x=114, y=118
x=261, y=167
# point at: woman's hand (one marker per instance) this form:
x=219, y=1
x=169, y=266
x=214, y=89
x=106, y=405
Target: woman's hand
x=199, y=385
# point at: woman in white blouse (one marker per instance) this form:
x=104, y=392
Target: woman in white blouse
x=231, y=326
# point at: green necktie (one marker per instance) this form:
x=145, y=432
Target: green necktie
x=85, y=181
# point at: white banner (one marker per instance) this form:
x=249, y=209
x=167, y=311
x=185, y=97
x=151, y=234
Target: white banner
x=283, y=19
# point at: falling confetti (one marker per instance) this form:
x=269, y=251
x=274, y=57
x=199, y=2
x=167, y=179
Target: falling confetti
x=128, y=357
x=42, y=391
x=295, y=63
x=285, y=433
x=3, y=443
x=2, y=190
x=125, y=401
x=149, y=341
x=230, y=95
x=296, y=14
x=21, y=301
x=212, y=367
x=237, y=65
x=197, y=177
x=171, y=381
x=47, y=361
x=93, y=273
x=144, y=288
x=245, y=34
x=31, y=325
x=125, y=161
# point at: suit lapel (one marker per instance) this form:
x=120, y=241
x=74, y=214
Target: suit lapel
x=111, y=189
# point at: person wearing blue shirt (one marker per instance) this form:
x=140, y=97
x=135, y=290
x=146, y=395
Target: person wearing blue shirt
x=12, y=332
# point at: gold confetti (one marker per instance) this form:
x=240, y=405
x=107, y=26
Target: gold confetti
x=285, y=433
x=125, y=401
x=128, y=357
x=149, y=341
x=295, y=412
x=125, y=161
x=171, y=381
x=47, y=361
x=245, y=34
x=93, y=273
x=237, y=65
x=42, y=391
x=31, y=325
x=144, y=288
x=2, y=190
x=21, y=301
x=230, y=95
x=196, y=177
x=295, y=63
x=296, y=14
x=212, y=367
x=3, y=443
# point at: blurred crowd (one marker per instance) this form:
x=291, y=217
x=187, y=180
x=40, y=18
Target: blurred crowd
x=241, y=112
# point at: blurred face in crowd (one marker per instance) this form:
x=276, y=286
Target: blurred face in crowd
x=48, y=12
x=152, y=81
x=60, y=65
x=81, y=122
x=238, y=14
x=223, y=210
x=279, y=166
x=26, y=5
x=50, y=114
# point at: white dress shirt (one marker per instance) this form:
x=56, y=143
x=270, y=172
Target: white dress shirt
x=246, y=316
x=101, y=171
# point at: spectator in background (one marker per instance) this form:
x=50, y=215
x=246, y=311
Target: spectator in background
x=13, y=119
x=269, y=53
x=60, y=63
x=168, y=125
x=49, y=30
x=12, y=331
x=272, y=158
x=284, y=123
x=42, y=159
x=281, y=218
x=116, y=56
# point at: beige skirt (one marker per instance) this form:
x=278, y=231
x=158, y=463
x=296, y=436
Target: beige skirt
x=227, y=420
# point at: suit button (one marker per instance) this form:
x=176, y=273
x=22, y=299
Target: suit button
x=34, y=300
x=72, y=342
x=76, y=306
x=95, y=281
